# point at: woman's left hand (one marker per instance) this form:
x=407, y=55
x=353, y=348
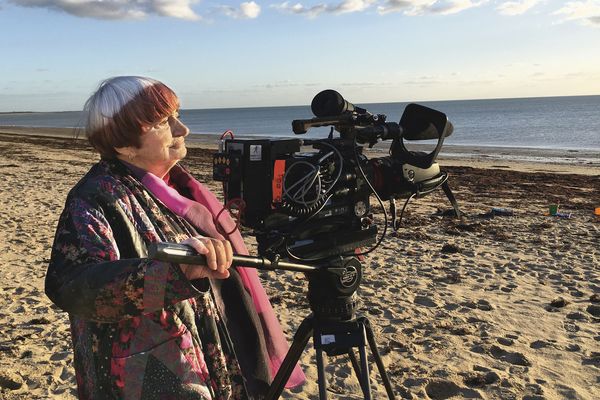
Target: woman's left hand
x=219, y=256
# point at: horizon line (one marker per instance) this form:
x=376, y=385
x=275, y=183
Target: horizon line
x=308, y=105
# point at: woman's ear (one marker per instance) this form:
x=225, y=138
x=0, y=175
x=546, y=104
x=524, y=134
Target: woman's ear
x=126, y=152
x=146, y=129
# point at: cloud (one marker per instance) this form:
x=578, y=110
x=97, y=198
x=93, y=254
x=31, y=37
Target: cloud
x=247, y=10
x=366, y=84
x=117, y=9
x=422, y=7
x=425, y=81
x=584, y=12
x=300, y=9
x=516, y=7
x=346, y=6
x=285, y=85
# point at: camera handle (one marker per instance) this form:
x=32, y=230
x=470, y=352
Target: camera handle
x=184, y=254
x=332, y=324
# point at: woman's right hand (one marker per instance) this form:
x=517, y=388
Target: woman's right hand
x=219, y=256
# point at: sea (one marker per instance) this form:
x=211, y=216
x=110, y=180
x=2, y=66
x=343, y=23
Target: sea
x=559, y=123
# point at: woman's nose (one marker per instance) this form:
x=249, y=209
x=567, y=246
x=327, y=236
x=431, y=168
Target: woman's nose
x=179, y=129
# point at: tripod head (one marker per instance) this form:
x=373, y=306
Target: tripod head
x=332, y=289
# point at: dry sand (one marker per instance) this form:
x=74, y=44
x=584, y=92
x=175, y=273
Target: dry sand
x=504, y=307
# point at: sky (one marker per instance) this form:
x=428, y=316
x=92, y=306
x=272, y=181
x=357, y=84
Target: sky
x=223, y=53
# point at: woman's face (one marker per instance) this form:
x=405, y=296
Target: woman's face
x=161, y=146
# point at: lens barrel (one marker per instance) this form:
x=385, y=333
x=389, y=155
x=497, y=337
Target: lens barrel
x=328, y=103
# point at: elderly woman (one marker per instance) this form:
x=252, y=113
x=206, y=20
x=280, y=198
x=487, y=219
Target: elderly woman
x=143, y=328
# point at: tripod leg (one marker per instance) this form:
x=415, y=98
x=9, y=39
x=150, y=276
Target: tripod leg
x=301, y=337
x=377, y=357
x=357, y=371
x=364, y=367
x=321, y=375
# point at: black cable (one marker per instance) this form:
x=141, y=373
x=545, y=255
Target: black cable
x=385, y=216
x=418, y=194
x=318, y=203
x=380, y=203
x=287, y=248
x=399, y=221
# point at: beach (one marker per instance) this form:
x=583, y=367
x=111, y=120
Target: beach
x=496, y=305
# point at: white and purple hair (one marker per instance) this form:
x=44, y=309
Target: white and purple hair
x=119, y=109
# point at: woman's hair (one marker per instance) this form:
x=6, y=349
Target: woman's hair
x=119, y=109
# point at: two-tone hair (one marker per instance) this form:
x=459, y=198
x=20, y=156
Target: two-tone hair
x=117, y=111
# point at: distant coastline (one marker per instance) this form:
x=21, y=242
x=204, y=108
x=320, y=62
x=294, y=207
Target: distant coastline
x=358, y=103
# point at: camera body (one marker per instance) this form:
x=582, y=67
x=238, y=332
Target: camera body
x=317, y=201
x=309, y=200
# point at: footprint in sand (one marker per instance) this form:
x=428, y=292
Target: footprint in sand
x=505, y=341
x=479, y=379
x=451, y=306
x=441, y=389
x=535, y=392
x=469, y=304
x=539, y=344
x=567, y=392
x=577, y=316
x=592, y=359
x=559, y=302
x=577, y=293
x=425, y=301
x=10, y=380
x=484, y=305
x=509, y=357
x=509, y=288
x=594, y=309
x=573, y=347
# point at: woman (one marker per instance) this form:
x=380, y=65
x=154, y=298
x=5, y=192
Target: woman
x=143, y=328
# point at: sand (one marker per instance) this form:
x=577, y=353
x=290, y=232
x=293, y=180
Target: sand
x=491, y=307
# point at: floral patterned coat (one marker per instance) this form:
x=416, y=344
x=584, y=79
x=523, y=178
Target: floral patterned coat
x=140, y=329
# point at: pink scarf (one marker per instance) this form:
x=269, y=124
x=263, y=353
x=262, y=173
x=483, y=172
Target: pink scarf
x=201, y=213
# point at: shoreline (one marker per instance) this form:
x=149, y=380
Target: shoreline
x=525, y=159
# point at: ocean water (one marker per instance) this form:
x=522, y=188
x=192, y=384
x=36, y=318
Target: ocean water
x=569, y=123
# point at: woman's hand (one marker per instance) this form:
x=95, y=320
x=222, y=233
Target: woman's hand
x=219, y=256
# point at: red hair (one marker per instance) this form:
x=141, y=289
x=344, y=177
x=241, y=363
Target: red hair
x=153, y=103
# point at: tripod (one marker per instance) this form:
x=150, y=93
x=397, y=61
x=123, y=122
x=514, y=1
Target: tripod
x=334, y=328
x=333, y=323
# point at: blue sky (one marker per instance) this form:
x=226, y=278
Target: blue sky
x=266, y=53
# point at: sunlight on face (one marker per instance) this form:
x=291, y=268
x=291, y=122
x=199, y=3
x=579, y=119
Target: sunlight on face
x=162, y=145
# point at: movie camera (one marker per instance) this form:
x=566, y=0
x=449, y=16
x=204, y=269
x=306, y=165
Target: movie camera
x=311, y=205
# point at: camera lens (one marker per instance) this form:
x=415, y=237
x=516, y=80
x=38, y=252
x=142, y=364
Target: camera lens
x=328, y=103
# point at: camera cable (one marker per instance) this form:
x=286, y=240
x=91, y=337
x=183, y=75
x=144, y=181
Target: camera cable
x=300, y=206
x=385, y=216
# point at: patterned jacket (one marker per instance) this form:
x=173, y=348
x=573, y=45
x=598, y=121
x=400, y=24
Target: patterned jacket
x=140, y=329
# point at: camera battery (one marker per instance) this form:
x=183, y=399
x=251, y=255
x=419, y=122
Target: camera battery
x=252, y=170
